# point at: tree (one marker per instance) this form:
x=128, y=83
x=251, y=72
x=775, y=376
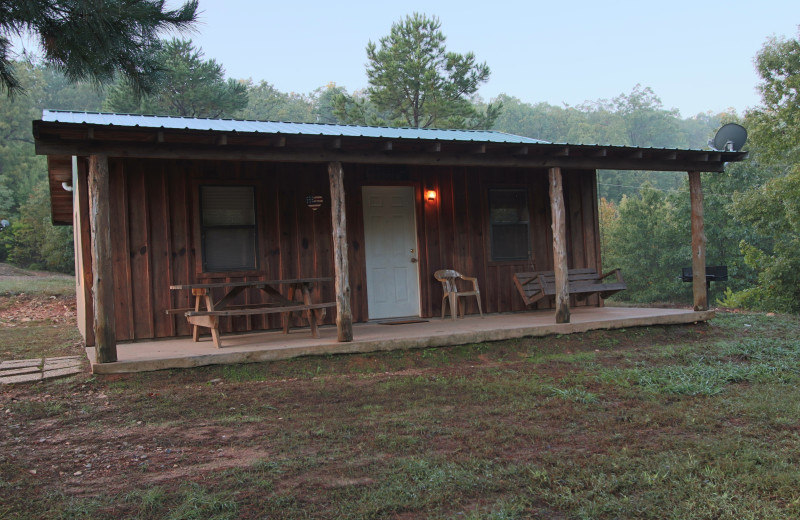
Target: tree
x=771, y=206
x=539, y=121
x=91, y=39
x=647, y=239
x=32, y=240
x=645, y=120
x=776, y=125
x=324, y=108
x=20, y=168
x=358, y=109
x=773, y=210
x=266, y=103
x=415, y=82
x=189, y=86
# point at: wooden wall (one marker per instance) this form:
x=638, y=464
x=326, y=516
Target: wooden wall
x=453, y=231
x=156, y=239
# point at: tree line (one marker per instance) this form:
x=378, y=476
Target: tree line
x=752, y=211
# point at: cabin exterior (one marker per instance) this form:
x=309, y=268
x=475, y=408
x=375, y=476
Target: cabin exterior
x=160, y=201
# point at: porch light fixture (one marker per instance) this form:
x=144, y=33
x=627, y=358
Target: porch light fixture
x=430, y=195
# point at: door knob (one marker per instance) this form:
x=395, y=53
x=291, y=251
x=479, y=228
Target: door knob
x=413, y=260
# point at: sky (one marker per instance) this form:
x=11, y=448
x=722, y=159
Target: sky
x=697, y=55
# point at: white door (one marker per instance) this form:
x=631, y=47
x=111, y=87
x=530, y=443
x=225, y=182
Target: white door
x=390, y=241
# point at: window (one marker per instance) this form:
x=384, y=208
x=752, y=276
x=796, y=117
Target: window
x=228, y=228
x=509, y=218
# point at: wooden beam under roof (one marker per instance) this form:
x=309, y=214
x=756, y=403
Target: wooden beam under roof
x=310, y=155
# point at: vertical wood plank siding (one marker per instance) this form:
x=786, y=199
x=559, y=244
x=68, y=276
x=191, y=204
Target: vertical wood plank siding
x=156, y=239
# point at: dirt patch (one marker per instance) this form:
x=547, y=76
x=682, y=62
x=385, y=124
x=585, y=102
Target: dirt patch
x=16, y=310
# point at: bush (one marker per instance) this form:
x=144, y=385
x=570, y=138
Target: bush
x=33, y=242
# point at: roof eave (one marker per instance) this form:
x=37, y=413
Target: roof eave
x=54, y=138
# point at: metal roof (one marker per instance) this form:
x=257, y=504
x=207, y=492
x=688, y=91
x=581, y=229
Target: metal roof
x=273, y=127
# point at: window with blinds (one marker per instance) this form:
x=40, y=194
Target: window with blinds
x=509, y=224
x=228, y=228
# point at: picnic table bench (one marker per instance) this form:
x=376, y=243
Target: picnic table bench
x=536, y=285
x=209, y=317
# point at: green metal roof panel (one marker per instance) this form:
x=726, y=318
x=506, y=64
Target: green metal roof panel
x=272, y=127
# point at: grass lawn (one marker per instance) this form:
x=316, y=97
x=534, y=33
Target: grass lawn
x=664, y=422
x=37, y=314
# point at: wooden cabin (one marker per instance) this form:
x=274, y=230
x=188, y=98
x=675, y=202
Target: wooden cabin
x=160, y=201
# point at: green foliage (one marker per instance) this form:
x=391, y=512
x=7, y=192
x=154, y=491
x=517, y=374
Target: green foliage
x=187, y=86
x=768, y=202
x=773, y=210
x=266, y=103
x=20, y=169
x=91, y=39
x=539, y=121
x=6, y=198
x=776, y=125
x=33, y=242
x=645, y=121
x=647, y=239
x=635, y=119
x=415, y=82
x=358, y=109
x=324, y=110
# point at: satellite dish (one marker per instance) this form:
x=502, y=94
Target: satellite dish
x=729, y=138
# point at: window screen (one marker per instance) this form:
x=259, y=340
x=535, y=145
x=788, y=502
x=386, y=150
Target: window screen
x=228, y=226
x=509, y=219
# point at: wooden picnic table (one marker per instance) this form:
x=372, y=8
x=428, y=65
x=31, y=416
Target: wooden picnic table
x=314, y=312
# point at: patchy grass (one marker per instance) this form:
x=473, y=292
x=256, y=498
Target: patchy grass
x=39, y=339
x=661, y=422
x=37, y=314
x=15, y=281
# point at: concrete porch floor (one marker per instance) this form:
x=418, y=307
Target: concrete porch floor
x=371, y=337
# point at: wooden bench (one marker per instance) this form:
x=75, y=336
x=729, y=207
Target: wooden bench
x=210, y=319
x=534, y=286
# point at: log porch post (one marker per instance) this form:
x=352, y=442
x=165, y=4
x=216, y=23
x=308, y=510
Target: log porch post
x=559, y=245
x=698, y=243
x=105, y=327
x=344, y=314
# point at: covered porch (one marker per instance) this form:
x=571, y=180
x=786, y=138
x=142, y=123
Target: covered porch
x=376, y=336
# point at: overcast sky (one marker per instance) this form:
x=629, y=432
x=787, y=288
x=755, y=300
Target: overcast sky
x=696, y=55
